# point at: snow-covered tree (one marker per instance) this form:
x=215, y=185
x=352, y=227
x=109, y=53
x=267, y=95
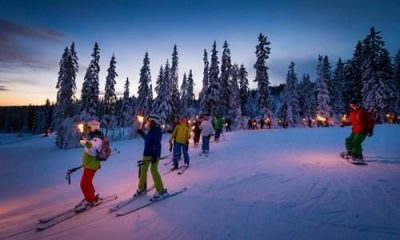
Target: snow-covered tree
x=163, y=104
x=126, y=109
x=353, y=71
x=339, y=79
x=396, y=78
x=187, y=96
x=324, y=108
x=262, y=79
x=225, y=76
x=290, y=107
x=183, y=93
x=307, y=98
x=214, y=90
x=110, y=99
x=203, y=95
x=174, y=75
x=378, y=91
x=243, y=88
x=90, y=88
x=143, y=105
x=235, y=111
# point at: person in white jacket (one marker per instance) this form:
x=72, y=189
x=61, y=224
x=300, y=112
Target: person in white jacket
x=206, y=131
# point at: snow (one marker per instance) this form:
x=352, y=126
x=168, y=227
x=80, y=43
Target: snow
x=262, y=184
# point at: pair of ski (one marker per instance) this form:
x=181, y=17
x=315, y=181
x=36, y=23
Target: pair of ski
x=350, y=160
x=50, y=221
x=151, y=201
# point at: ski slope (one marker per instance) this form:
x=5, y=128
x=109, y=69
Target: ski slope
x=256, y=184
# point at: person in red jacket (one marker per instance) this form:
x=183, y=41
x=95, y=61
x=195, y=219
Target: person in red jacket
x=362, y=126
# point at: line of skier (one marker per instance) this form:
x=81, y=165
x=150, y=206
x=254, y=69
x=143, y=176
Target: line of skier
x=362, y=126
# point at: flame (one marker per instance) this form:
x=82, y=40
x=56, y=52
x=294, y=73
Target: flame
x=320, y=118
x=80, y=127
x=140, y=118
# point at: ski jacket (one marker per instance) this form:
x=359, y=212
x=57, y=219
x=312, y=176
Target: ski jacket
x=91, y=146
x=206, y=128
x=218, y=123
x=361, y=120
x=181, y=134
x=152, y=142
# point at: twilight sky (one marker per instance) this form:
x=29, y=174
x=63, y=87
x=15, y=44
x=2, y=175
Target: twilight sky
x=33, y=35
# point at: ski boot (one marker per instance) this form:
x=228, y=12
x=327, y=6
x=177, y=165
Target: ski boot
x=159, y=195
x=346, y=155
x=139, y=192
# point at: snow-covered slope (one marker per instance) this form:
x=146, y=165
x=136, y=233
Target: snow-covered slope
x=264, y=184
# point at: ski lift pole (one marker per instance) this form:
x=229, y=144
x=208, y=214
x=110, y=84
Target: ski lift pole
x=70, y=171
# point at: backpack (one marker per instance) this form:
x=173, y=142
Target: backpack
x=105, y=150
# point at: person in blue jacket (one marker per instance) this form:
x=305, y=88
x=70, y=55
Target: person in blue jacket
x=151, y=157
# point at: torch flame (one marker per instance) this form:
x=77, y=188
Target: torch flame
x=140, y=118
x=320, y=118
x=80, y=127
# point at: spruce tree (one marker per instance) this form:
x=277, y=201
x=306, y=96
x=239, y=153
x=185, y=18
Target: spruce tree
x=143, y=105
x=378, y=91
x=396, y=78
x=262, y=79
x=214, y=96
x=126, y=110
x=307, y=98
x=190, y=90
x=324, y=108
x=110, y=99
x=338, y=80
x=203, y=95
x=174, y=79
x=353, y=71
x=225, y=76
x=163, y=103
x=235, y=111
x=90, y=89
x=183, y=94
x=243, y=88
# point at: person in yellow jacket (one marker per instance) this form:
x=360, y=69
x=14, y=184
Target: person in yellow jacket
x=180, y=138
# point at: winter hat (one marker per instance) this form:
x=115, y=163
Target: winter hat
x=355, y=102
x=94, y=124
x=155, y=118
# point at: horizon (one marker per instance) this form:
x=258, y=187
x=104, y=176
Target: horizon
x=32, y=38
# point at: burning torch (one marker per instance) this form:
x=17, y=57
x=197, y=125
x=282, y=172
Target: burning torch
x=141, y=120
x=81, y=127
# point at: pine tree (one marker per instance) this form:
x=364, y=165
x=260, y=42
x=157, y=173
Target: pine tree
x=338, y=80
x=203, y=95
x=290, y=106
x=183, y=93
x=90, y=89
x=235, y=111
x=378, y=91
x=214, y=90
x=143, y=105
x=163, y=105
x=396, y=77
x=307, y=98
x=324, y=108
x=126, y=110
x=353, y=84
x=226, y=67
x=174, y=78
x=110, y=99
x=190, y=89
x=262, y=79
x=243, y=88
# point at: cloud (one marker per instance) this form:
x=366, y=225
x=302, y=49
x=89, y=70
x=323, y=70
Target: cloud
x=20, y=45
x=3, y=88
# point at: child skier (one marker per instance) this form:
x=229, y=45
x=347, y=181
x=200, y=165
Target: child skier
x=206, y=131
x=92, y=144
x=180, y=138
x=362, y=126
x=151, y=157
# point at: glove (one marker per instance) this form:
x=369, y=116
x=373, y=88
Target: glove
x=370, y=133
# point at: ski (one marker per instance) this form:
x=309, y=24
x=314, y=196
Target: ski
x=348, y=159
x=182, y=170
x=49, y=222
x=129, y=200
x=151, y=202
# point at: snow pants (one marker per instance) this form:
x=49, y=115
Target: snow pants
x=87, y=184
x=217, y=134
x=205, y=144
x=353, y=143
x=149, y=161
x=178, y=149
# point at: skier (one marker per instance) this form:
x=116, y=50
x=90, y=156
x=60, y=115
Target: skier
x=206, y=131
x=362, y=126
x=151, y=157
x=196, y=131
x=180, y=138
x=92, y=144
x=218, y=124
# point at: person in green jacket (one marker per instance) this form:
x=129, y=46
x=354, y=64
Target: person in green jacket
x=180, y=138
x=92, y=144
x=218, y=124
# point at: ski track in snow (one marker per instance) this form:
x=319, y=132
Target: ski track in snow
x=279, y=184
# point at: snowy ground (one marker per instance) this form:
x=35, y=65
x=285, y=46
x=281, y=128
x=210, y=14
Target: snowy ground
x=269, y=184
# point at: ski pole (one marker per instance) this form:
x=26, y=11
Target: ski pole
x=68, y=176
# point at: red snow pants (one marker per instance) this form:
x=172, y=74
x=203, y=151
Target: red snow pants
x=87, y=184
